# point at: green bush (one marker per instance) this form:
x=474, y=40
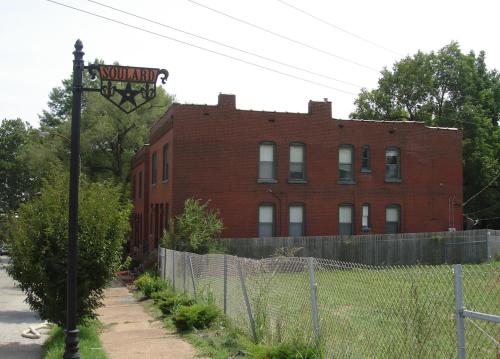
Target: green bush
x=197, y=316
x=167, y=304
x=149, y=284
x=39, y=244
x=286, y=351
x=159, y=296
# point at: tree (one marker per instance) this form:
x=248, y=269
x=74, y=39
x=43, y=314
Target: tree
x=196, y=229
x=15, y=180
x=39, y=240
x=448, y=88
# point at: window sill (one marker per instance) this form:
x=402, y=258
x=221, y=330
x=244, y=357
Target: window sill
x=165, y=181
x=393, y=180
x=366, y=171
x=366, y=229
x=266, y=180
x=291, y=180
x=346, y=182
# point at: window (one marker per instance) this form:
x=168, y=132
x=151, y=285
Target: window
x=153, y=168
x=296, y=170
x=346, y=174
x=365, y=217
x=266, y=220
x=267, y=163
x=366, y=159
x=140, y=184
x=296, y=220
x=134, y=186
x=392, y=165
x=345, y=219
x=393, y=219
x=165, y=163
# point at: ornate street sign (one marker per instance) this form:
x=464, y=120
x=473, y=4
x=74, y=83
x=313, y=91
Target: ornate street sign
x=129, y=87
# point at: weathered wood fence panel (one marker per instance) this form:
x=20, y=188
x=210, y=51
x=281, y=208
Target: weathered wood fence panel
x=473, y=246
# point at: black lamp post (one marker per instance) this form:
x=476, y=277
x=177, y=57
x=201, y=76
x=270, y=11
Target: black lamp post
x=140, y=89
x=72, y=349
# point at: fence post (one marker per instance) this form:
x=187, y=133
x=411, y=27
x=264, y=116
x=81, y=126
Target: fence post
x=459, y=308
x=173, y=269
x=184, y=271
x=314, y=300
x=225, y=283
x=247, y=302
x=165, y=264
x=192, y=276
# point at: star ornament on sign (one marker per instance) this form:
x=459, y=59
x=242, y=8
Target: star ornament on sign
x=129, y=87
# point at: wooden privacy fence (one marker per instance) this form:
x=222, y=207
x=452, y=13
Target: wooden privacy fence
x=475, y=246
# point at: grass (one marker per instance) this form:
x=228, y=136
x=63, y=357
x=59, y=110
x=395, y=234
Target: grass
x=401, y=312
x=90, y=345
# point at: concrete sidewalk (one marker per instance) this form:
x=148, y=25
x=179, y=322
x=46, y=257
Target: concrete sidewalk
x=15, y=316
x=132, y=333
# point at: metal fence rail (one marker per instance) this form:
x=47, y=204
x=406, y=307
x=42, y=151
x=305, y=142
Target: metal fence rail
x=350, y=310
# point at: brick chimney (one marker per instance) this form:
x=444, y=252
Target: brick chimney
x=322, y=108
x=227, y=101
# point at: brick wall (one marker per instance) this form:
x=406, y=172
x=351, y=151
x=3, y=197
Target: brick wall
x=215, y=155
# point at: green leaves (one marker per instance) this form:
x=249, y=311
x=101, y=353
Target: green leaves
x=39, y=235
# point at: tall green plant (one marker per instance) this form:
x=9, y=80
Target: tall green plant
x=196, y=229
x=39, y=237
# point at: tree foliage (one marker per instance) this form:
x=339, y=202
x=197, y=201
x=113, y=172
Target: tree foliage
x=39, y=240
x=196, y=229
x=15, y=180
x=448, y=88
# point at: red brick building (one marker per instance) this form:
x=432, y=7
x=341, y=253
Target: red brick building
x=281, y=174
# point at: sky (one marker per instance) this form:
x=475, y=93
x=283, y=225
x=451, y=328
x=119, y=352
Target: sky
x=335, y=60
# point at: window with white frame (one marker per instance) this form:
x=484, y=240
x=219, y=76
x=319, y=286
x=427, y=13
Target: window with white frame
x=296, y=170
x=296, y=220
x=345, y=219
x=365, y=216
x=346, y=173
x=392, y=164
x=267, y=163
x=393, y=219
x=366, y=159
x=266, y=220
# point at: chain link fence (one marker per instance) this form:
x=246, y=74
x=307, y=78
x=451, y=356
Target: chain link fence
x=349, y=310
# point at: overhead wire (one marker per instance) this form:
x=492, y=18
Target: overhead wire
x=202, y=48
x=284, y=37
x=225, y=45
x=336, y=27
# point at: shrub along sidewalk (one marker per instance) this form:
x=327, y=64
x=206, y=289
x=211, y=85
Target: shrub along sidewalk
x=129, y=332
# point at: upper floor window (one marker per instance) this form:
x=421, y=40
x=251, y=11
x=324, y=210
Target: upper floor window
x=267, y=162
x=134, y=186
x=153, y=168
x=140, y=184
x=266, y=220
x=366, y=165
x=345, y=219
x=296, y=170
x=392, y=164
x=346, y=174
x=296, y=220
x=365, y=217
x=393, y=218
x=165, y=163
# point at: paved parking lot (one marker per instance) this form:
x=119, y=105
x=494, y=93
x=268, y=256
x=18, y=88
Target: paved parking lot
x=15, y=317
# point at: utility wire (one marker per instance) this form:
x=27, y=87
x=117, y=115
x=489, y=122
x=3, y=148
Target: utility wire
x=284, y=37
x=483, y=189
x=202, y=48
x=226, y=45
x=339, y=28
